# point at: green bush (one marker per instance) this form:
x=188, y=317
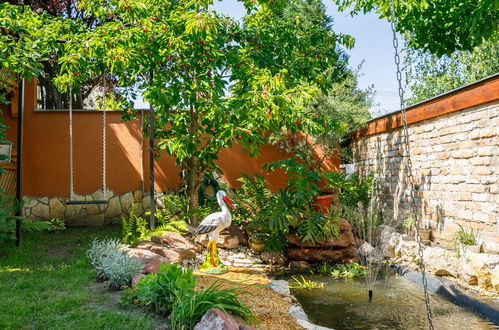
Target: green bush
x=171, y=292
x=351, y=189
x=111, y=263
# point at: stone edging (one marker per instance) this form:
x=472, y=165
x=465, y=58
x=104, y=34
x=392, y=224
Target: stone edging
x=282, y=288
x=46, y=208
x=453, y=293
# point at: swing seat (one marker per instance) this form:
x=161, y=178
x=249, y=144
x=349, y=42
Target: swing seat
x=85, y=202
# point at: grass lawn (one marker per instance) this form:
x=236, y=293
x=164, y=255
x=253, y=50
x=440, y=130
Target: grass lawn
x=46, y=283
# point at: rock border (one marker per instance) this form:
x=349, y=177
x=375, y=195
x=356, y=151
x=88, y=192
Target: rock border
x=282, y=287
x=453, y=293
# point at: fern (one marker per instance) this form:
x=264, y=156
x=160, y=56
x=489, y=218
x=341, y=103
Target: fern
x=133, y=227
x=35, y=226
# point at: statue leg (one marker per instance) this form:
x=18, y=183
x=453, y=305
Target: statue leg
x=212, y=264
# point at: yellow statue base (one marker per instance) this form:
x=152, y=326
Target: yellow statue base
x=212, y=264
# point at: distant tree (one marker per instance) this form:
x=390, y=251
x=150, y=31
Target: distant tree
x=438, y=26
x=428, y=75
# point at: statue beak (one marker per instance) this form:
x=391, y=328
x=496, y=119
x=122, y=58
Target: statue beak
x=227, y=200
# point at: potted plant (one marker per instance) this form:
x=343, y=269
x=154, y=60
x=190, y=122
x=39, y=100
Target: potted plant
x=466, y=240
x=257, y=242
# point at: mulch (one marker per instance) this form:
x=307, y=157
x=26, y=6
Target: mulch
x=270, y=308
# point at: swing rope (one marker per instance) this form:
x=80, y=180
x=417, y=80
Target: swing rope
x=412, y=190
x=71, y=158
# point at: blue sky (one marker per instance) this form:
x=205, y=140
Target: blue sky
x=373, y=45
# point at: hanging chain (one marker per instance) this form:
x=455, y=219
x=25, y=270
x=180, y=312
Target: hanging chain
x=71, y=184
x=409, y=168
x=104, y=170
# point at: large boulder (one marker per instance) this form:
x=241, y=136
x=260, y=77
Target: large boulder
x=389, y=241
x=322, y=255
x=407, y=249
x=177, y=240
x=479, y=268
x=152, y=265
x=172, y=254
x=216, y=319
x=441, y=261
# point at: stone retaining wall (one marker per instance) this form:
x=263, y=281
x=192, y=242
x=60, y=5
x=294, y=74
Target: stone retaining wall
x=45, y=208
x=456, y=170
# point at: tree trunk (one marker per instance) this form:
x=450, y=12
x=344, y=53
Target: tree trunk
x=192, y=184
x=192, y=169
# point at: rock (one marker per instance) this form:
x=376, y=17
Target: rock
x=298, y=264
x=365, y=249
x=113, y=207
x=175, y=254
x=136, y=278
x=235, y=231
x=344, y=225
x=126, y=202
x=407, y=249
x=302, y=319
x=494, y=278
x=57, y=209
x=479, y=268
x=321, y=255
x=216, y=319
x=177, y=240
x=41, y=211
x=273, y=258
x=172, y=254
x=152, y=265
x=346, y=239
x=280, y=286
x=440, y=261
x=297, y=312
x=94, y=220
x=142, y=255
x=389, y=242
x=223, y=241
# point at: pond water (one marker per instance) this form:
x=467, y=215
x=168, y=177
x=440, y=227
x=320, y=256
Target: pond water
x=397, y=304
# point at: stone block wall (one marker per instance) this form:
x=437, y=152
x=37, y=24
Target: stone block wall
x=45, y=208
x=455, y=162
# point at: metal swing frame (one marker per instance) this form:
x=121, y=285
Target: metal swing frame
x=71, y=200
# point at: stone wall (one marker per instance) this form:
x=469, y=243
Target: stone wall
x=456, y=170
x=44, y=208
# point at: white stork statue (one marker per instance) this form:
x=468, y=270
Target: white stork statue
x=211, y=226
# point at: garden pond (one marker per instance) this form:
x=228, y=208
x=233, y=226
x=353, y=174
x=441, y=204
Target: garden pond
x=397, y=304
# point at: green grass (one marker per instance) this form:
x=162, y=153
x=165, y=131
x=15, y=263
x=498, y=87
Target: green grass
x=47, y=283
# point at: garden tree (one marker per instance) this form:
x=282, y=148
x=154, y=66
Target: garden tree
x=428, y=75
x=210, y=80
x=340, y=100
x=50, y=96
x=437, y=26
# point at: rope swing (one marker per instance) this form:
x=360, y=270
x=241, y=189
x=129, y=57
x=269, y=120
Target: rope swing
x=72, y=200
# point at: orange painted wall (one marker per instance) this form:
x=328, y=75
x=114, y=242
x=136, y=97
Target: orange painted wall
x=46, y=154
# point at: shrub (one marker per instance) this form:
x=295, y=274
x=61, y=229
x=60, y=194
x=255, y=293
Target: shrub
x=171, y=292
x=110, y=262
